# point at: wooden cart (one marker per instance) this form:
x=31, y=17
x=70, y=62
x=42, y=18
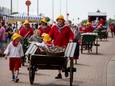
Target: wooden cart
x=52, y=62
x=88, y=41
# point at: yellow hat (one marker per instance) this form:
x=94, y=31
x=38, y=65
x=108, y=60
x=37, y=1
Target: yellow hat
x=60, y=17
x=15, y=36
x=84, y=24
x=26, y=22
x=46, y=37
x=44, y=20
x=88, y=23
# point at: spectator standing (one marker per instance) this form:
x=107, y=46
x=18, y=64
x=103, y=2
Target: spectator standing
x=2, y=37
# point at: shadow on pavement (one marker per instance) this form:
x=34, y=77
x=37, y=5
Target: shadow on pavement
x=51, y=84
x=82, y=64
x=92, y=53
x=38, y=74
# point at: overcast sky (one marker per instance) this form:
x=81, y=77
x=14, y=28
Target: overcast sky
x=76, y=8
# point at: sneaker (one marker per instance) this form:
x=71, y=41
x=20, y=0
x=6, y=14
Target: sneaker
x=59, y=76
x=13, y=77
x=66, y=73
x=16, y=80
x=75, y=62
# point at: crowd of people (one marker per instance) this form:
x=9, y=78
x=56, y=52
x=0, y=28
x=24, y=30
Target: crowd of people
x=58, y=34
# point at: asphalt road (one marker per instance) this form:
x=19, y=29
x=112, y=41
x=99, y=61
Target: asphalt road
x=92, y=70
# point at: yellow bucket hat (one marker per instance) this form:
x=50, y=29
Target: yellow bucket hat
x=60, y=17
x=46, y=37
x=88, y=23
x=26, y=22
x=44, y=20
x=15, y=36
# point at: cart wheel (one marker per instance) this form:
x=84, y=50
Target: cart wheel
x=31, y=75
x=71, y=72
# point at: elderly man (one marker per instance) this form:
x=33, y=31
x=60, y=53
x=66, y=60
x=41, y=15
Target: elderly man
x=26, y=32
x=44, y=27
x=61, y=35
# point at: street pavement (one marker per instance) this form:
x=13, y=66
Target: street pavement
x=92, y=70
x=111, y=72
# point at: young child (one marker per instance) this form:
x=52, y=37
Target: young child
x=14, y=51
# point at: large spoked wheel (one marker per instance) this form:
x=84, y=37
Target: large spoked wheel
x=31, y=75
x=71, y=71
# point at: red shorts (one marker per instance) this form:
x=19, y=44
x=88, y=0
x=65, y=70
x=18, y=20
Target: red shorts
x=14, y=63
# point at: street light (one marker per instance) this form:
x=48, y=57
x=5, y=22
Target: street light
x=28, y=3
x=60, y=7
x=37, y=7
x=67, y=14
x=11, y=6
x=52, y=11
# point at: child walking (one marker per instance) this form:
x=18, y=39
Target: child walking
x=14, y=52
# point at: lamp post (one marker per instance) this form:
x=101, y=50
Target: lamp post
x=37, y=7
x=60, y=6
x=11, y=6
x=28, y=3
x=52, y=11
x=67, y=14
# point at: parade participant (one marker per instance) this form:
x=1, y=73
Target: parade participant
x=101, y=21
x=36, y=37
x=82, y=28
x=26, y=30
x=61, y=35
x=77, y=39
x=14, y=52
x=89, y=27
x=46, y=39
x=44, y=27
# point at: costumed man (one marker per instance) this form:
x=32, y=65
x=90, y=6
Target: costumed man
x=89, y=27
x=36, y=37
x=82, y=28
x=101, y=21
x=77, y=39
x=44, y=27
x=26, y=32
x=61, y=35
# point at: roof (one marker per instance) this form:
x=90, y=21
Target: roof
x=21, y=17
x=97, y=14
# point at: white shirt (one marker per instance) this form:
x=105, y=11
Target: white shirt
x=12, y=51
